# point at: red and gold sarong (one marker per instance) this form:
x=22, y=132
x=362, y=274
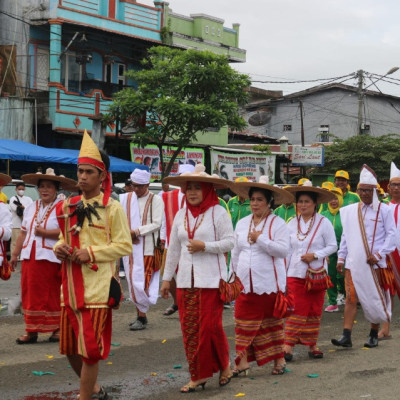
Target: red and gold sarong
x=256, y=331
x=204, y=338
x=148, y=270
x=302, y=327
x=40, y=293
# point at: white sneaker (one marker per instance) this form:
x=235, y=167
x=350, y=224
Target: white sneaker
x=340, y=299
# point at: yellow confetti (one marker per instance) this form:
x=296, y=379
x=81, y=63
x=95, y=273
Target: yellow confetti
x=355, y=322
x=240, y=395
x=109, y=363
x=231, y=338
x=2, y=363
x=49, y=356
x=153, y=374
x=164, y=341
x=364, y=348
x=331, y=351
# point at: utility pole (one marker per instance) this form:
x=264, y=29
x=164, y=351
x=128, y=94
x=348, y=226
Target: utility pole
x=303, y=169
x=360, y=75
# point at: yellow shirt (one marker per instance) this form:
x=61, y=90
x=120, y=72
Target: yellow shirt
x=3, y=198
x=103, y=251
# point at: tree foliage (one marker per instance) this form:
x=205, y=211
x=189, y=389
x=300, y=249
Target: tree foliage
x=352, y=153
x=180, y=93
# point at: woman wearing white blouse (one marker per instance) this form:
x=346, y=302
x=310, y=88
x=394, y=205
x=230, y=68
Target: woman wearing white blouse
x=40, y=271
x=312, y=240
x=201, y=233
x=258, y=258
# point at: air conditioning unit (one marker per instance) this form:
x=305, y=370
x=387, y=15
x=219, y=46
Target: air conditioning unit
x=323, y=130
x=365, y=126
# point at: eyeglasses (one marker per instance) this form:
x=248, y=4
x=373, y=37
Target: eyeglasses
x=365, y=190
x=394, y=185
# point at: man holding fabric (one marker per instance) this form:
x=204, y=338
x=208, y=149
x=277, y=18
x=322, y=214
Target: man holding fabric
x=369, y=235
x=94, y=235
x=151, y=214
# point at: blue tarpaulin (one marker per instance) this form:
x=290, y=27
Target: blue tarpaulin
x=22, y=151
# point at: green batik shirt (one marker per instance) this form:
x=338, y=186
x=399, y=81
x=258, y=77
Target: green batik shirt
x=350, y=198
x=285, y=212
x=238, y=209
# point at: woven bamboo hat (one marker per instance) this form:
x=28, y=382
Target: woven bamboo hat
x=49, y=175
x=281, y=196
x=198, y=175
x=323, y=195
x=4, y=179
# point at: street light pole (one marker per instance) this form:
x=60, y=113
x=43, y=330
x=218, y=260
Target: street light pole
x=361, y=91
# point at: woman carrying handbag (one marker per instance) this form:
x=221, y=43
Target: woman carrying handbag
x=201, y=233
x=258, y=258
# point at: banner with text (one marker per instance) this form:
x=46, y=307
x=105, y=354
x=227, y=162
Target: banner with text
x=150, y=156
x=310, y=156
x=235, y=165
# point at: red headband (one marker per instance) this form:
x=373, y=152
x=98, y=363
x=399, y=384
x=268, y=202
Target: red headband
x=106, y=183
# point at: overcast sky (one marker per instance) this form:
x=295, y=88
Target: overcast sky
x=310, y=39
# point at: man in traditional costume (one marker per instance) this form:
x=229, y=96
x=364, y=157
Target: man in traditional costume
x=151, y=214
x=369, y=235
x=94, y=235
x=393, y=259
x=5, y=225
x=173, y=200
x=341, y=181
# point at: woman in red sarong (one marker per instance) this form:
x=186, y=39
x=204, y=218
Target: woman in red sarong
x=40, y=269
x=201, y=234
x=312, y=240
x=258, y=258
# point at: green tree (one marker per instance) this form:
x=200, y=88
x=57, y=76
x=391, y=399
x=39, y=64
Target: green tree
x=352, y=153
x=180, y=93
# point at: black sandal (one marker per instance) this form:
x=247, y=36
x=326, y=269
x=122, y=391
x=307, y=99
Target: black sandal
x=27, y=339
x=171, y=310
x=224, y=380
x=279, y=369
x=101, y=394
x=190, y=389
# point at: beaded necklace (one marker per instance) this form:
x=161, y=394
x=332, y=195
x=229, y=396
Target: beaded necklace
x=46, y=212
x=187, y=225
x=300, y=232
x=252, y=223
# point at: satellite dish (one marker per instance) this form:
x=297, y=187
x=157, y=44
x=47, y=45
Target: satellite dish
x=260, y=118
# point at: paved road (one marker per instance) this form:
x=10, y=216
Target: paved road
x=142, y=366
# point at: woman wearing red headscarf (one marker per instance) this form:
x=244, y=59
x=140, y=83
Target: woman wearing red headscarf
x=201, y=233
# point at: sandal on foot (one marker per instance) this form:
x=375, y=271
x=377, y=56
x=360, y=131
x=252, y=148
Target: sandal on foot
x=100, y=395
x=279, y=369
x=315, y=354
x=171, y=310
x=236, y=372
x=27, y=339
x=224, y=380
x=192, y=388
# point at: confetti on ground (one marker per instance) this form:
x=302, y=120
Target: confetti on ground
x=111, y=354
x=163, y=341
x=364, y=348
x=313, y=375
x=178, y=366
x=109, y=363
x=116, y=344
x=331, y=351
x=171, y=376
x=365, y=395
x=355, y=322
x=49, y=356
x=275, y=383
x=41, y=373
x=288, y=370
x=2, y=363
x=153, y=374
x=252, y=378
x=240, y=395
x=231, y=338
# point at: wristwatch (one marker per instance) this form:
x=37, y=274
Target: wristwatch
x=315, y=257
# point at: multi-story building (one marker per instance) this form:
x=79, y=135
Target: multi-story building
x=61, y=61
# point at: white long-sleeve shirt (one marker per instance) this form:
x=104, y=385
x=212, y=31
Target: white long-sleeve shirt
x=385, y=236
x=323, y=245
x=25, y=201
x=258, y=259
x=152, y=225
x=206, y=265
x=5, y=227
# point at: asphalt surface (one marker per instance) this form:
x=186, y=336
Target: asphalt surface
x=151, y=364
